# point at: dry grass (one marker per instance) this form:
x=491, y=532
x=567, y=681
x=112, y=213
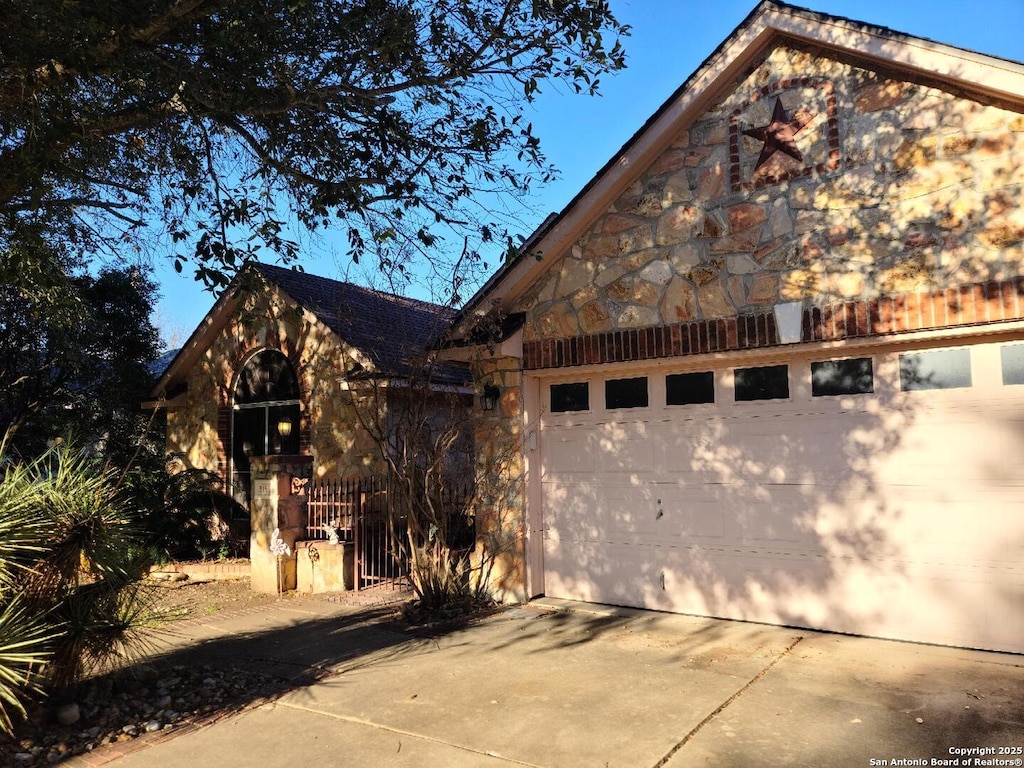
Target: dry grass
x=195, y=599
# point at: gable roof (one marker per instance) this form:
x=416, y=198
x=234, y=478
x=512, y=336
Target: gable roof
x=771, y=22
x=158, y=366
x=389, y=330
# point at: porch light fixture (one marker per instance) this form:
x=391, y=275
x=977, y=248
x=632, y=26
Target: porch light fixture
x=489, y=398
x=284, y=427
x=789, y=321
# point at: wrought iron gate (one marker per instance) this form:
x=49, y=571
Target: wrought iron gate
x=361, y=512
x=370, y=514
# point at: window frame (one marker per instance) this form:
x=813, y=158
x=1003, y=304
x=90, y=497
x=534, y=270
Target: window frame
x=551, y=395
x=839, y=360
x=713, y=374
x=735, y=390
x=935, y=351
x=1002, y=363
x=647, y=392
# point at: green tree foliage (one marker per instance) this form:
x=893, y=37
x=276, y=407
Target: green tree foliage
x=74, y=357
x=185, y=515
x=220, y=119
x=70, y=599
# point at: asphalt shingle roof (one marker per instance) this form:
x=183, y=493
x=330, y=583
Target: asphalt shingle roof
x=391, y=330
x=158, y=366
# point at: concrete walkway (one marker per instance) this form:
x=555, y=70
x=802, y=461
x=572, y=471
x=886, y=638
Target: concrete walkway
x=562, y=685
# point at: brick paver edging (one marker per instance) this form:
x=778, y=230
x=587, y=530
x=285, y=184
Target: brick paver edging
x=208, y=571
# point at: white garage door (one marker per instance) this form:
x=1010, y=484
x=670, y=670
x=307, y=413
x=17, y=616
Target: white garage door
x=896, y=512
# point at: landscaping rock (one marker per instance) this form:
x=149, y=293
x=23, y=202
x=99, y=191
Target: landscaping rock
x=68, y=714
x=111, y=716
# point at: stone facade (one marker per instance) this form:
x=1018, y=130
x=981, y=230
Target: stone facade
x=882, y=205
x=500, y=480
x=899, y=188
x=279, y=504
x=351, y=401
x=323, y=567
x=330, y=428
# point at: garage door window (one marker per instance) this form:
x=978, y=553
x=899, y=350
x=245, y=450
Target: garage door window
x=690, y=388
x=570, y=397
x=842, y=377
x=770, y=382
x=626, y=393
x=935, y=369
x=1013, y=363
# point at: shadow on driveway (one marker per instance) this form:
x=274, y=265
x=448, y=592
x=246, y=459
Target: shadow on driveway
x=542, y=686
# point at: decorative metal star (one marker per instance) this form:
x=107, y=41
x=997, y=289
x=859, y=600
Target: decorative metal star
x=780, y=134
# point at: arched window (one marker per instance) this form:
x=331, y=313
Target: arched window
x=265, y=415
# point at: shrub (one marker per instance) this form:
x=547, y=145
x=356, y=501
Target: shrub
x=70, y=595
x=185, y=516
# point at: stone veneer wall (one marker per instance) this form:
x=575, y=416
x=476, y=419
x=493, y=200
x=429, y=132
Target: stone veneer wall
x=500, y=486
x=904, y=189
x=329, y=428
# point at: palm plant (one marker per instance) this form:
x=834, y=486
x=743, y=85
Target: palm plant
x=25, y=639
x=69, y=575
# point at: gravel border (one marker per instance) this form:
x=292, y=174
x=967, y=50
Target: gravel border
x=122, y=713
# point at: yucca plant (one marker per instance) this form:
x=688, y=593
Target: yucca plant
x=25, y=643
x=441, y=577
x=22, y=525
x=70, y=598
x=25, y=637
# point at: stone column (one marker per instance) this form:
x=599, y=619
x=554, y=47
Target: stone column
x=500, y=500
x=279, y=497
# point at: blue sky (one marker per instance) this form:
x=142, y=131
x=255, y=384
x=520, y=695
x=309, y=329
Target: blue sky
x=669, y=40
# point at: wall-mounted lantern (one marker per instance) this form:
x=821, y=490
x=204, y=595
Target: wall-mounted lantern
x=284, y=427
x=489, y=398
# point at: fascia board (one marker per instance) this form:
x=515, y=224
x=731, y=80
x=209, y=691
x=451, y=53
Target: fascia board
x=983, y=75
x=198, y=341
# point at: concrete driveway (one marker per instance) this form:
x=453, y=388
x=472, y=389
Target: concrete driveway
x=560, y=685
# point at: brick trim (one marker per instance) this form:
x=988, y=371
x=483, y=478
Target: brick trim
x=223, y=443
x=975, y=304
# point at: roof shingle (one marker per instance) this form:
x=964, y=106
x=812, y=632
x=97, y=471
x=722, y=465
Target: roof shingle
x=393, y=331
